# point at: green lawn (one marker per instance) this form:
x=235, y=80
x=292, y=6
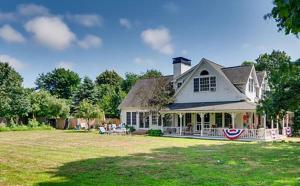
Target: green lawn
x=79, y=158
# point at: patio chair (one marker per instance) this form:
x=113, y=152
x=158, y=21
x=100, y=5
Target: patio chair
x=102, y=130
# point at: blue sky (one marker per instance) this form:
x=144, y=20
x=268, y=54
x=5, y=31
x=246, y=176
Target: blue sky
x=133, y=36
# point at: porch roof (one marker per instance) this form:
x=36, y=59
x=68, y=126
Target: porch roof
x=211, y=106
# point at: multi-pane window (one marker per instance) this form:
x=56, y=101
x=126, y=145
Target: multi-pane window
x=179, y=85
x=133, y=115
x=196, y=85
x=213, y=84
x=204, y=84
x=154, y=119
x=250, y=85
x=128, y=118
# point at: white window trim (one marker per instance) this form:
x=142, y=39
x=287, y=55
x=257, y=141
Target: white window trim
x=209, y=89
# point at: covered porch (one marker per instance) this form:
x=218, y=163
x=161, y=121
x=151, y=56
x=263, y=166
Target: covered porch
x=208, y=120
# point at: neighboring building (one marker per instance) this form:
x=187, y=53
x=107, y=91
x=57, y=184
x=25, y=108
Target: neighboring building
x=208, y=97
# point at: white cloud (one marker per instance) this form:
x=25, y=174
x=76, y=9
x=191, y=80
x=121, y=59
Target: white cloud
x=125, y=23
x=7, y=16
x=65, y=64
x=32, y=9
x=87, y=20
x=144, y=62
x=15, y=63
x=90, y=41
x=51, y=32
x=10, y=35
x=158, y=39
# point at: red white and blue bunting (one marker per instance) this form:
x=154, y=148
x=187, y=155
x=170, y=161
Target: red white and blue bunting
x=233, y=134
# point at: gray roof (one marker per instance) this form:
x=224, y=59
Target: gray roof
x=238, y=76
x=212, y=106
x=134, y=97
x=260, y=76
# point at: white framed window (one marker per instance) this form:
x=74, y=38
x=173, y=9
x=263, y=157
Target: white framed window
x=154, y=119
x=196, y=85
x=251, y=85
x=128, y=118
x=204, y=84
x=133, y=115
x=213, y=84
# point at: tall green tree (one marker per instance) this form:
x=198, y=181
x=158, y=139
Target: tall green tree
x=287, y=15
x=89, y=111
x=14, y=101
x=45, y=105
x=60, y=82
x=129, y=81
x=86, y=90
x=109, y=97
x=109, y=78
x=151, y=74
x=284, y=81
x=248, y=63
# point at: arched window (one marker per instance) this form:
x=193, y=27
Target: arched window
x=204, y=73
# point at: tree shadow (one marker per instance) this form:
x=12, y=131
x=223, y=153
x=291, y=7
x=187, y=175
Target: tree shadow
x=224, y=164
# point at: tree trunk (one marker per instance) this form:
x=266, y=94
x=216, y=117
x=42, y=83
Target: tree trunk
x=88, y=124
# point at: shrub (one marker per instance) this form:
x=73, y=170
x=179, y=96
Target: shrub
x=130, y=128
x=153, y=132
x=33, y=123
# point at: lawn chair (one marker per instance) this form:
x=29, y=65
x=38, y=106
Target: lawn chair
x=102, y=130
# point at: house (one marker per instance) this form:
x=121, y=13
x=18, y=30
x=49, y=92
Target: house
x=208, y=99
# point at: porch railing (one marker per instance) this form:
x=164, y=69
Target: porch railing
x=218, y=132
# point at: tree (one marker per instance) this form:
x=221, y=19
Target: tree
x=89, y=111
x=151, y=74
x=129, y=81
x=287, y=15
x=248, y=63
x=109, y=98
x=158, y=96
x=284, y=81
x=59, y=82
x=109, y=78
x=14, y=101
x=45, y=105
x=86, y=90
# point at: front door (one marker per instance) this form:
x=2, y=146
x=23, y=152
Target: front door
x=206, y=121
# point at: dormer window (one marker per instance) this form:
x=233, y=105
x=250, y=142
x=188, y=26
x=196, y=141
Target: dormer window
x=205, y=82
x=204, y=73
x=251, y=85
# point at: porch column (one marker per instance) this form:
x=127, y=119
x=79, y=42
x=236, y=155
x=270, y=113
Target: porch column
x=272, y=123
x=233, y=118
x=162, y=122
x=287, y=120
x=180, y=129
x=277, y=122
x=265, y=121
x=202, y=123
x=223, y=120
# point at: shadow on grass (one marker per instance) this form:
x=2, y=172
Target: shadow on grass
x=227, y=164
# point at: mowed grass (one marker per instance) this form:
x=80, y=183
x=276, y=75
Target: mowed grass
x=79, y=158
